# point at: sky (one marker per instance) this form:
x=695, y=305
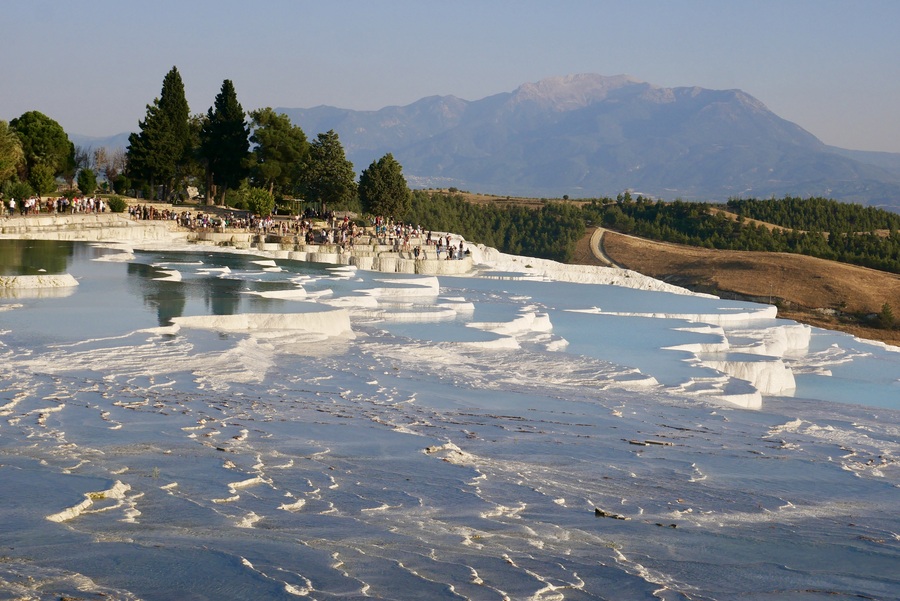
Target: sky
x=830, y=66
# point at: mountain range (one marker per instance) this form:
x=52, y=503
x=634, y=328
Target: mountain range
x=589, y=135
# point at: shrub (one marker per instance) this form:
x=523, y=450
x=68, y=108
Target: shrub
x=885, y=317
x=259, y=201
x=116, y=204
x=87, y=181
x=17, y=190
x=121, y=184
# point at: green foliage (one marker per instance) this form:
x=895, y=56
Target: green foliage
x=87, y=181
x=160, y=149
x=817, y=227
x=329, y=177
x=12, y=157
x=885, y=317
x=121, y=184
x=224, y=141
x=549, y=232
x=44, y=142
x=116, y=204
x=814, y=213
x=16, y=189
x=280, y=151
x=236, y=199
x=553, y=231
x=174, y=108
x=382, y=188
x=42, y=179
x=259, y=201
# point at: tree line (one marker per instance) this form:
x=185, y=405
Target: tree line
x=817, y=227
x=550, y=232
x=858, y=235
x=256, y=159
x=35, y=151
x=252, y=160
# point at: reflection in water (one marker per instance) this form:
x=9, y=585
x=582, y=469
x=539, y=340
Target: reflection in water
x=34, y=257
x=36, y=293
x=419, y=458
x=222, y=296
x=166, y=296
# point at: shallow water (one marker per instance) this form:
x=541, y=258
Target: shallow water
x=454, y=443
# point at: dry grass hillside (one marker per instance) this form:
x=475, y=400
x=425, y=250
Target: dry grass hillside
x=818, y=292
x=809, y=290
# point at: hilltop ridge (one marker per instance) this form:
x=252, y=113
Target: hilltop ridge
x=589, y=135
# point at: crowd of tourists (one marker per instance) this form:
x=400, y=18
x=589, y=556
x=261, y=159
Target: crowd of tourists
x=400, y=235
x=326, y=228
x=34, y=205
x=309, y=228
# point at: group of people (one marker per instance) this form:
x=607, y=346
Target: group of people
x=79, y=204
x=186, y=219
x=337, y=230
x=26, y=206
x=444, y=245
x=345, y=232
x=146, y=212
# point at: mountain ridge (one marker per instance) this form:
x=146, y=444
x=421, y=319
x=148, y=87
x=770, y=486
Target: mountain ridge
x=589, y=135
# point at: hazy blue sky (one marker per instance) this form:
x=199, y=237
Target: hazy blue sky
x=831, y=66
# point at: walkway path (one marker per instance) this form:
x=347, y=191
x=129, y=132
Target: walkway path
x=597, y=248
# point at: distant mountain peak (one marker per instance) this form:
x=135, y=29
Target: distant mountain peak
x=594, y=135
x=569, y=92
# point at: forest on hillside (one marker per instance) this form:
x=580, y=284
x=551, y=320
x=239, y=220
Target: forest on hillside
x=813, y=226
x=549, y=232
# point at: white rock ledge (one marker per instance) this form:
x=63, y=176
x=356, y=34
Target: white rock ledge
x=63, y=280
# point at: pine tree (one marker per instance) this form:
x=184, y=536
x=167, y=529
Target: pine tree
x=224, y=143
x=44, y=142
x=886, y=317
x=158, y=151
x=383, y=190
x=329, y=177
x=174, y=108
x=87, y=181
x=280, y=152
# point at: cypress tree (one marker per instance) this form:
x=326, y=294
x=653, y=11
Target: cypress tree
x=224, y=143
x=158, y=151
x=173, y=107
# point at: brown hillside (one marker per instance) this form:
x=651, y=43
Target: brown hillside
x=806, y=289
x=822, y=293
